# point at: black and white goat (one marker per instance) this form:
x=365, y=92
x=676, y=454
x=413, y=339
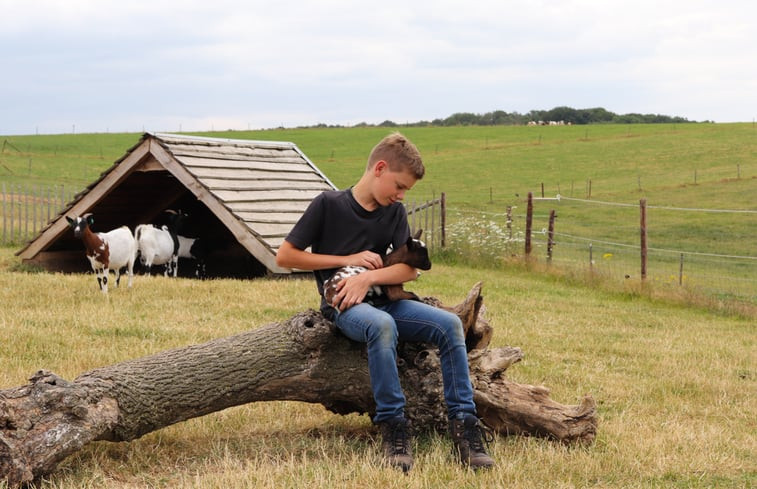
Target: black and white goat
x=113, y=250
x=160, y=245
x=196, y=249
x=414, y=253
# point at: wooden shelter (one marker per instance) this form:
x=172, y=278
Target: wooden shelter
x=242, y=197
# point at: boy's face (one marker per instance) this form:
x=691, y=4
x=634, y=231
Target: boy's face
x=390, y=186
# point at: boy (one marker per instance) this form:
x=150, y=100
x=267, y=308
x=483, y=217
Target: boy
x=355, y=227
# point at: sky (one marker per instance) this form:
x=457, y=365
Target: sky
x=90, y=66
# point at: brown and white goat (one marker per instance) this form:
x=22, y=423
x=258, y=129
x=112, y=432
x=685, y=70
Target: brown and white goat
x=113, y=250
x=413, y=253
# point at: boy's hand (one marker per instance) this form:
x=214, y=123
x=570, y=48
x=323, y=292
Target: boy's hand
x=366, y=259
x=352, y=290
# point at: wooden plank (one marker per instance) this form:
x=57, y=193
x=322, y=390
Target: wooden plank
x=269, y=206
x=246, y=164
x=265, y=230
x=68, y=261
x=238, y=185
x=276, y=242
x=169, y=138
x=280, y=217
x=252, y=174
x=198, y=158
x=150, y=165
x=265, y=195
x=228, y=151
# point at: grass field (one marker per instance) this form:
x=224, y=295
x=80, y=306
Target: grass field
x=675, y=386
x=683, y=171
x=672, y=368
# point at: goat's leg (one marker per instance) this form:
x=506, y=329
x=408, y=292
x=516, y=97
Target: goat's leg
x=104, y=275
x=175, y=264
x=396, y=293
x=117, y=272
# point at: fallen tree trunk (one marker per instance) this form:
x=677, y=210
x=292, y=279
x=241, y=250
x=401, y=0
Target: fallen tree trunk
x=301, y=359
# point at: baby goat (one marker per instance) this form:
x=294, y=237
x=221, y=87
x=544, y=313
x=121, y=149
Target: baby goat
x=413, y=253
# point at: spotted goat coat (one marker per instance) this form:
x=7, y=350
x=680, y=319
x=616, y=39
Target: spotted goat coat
x=414, y=253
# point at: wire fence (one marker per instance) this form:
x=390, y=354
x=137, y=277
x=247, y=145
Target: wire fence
x=431, y=217
x=27, y=209
x=712, y=251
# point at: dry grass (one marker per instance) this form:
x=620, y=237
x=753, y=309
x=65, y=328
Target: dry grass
x=675, y=385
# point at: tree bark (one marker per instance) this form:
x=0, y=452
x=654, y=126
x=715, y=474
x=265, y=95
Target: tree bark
x=300, y=359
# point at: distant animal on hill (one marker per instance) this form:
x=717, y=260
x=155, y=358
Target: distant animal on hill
x=414, y=253
x=113, y=250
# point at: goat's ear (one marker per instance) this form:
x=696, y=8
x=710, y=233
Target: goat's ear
x=71, y=222
x=90, y=219
x=417, y=234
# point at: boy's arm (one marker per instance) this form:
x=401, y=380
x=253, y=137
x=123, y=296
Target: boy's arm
x=289, y=256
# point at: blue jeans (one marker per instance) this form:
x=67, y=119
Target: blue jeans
x=381, y=327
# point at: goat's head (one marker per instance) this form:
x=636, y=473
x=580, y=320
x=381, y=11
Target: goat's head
x=418, y=252
x=176, y=219
x=79, y=224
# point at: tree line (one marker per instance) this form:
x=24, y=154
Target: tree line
x=567, y=115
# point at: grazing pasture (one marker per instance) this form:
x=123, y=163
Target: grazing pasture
x=672, y=367
x=685, y=172
x=675, y=385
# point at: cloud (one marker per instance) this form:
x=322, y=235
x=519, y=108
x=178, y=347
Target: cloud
x=108, y=64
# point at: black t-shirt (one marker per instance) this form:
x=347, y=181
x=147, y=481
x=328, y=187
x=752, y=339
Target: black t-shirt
x=336, y=224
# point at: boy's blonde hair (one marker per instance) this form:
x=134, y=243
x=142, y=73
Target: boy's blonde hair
x=399, y=153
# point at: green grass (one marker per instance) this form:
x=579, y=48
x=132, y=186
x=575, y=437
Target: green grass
x=483, y=170
x=675, y=384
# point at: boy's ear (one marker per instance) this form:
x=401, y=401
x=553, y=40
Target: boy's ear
x=379, y=167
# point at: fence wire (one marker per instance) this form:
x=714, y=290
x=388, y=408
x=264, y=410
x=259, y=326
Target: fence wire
x=706, y=250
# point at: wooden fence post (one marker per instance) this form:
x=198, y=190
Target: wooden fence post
x=13, y=205
x=551, y=235
x=4, y=213
x=529, y=221
x=643, y=232
x=26, y=214
x=509, y=222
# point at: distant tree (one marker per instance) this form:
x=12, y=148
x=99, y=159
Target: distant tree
x=462, y=119
x=598, y=115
